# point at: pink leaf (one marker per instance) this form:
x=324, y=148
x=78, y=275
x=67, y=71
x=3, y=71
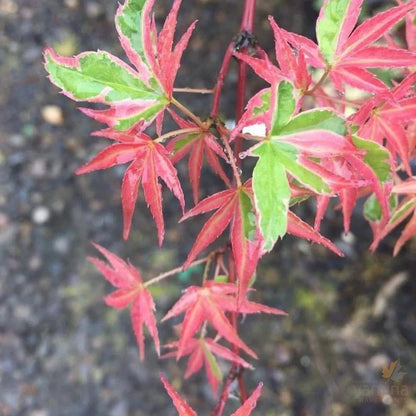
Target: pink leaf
x=380, y=57
x=250, y=403
x=321, y=143
x=301, y=229
x=373, y=28
x=348, y=24
x=358, y=78
x=116, y=154
x=130, y=290
x=180, y=404
x=406, y=187
x=129, y=192
x=408, y=232
x=309, y=48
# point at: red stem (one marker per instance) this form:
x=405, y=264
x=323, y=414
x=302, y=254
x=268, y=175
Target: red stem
x=233, y=319
x=236, y=372
x=247, y=21
x=247, y=24
x=220, y=80
x=240, y=104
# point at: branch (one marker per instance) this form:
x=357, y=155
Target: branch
x=179, y=269
x=188, y=112
x=220, y=80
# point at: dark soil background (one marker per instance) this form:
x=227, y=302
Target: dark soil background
x=63, y=353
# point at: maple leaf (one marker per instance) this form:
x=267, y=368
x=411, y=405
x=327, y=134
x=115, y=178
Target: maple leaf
x=386, y=117
x=232, y=206
x=248, y=406
x=197, y=144
x=292, y=66
x=180, y=404
x=361, y=173
x=405, y=209
x=202, y=351
x=149, y=161
x=130, y=291
x=410, y=29
x=134, y=96
x=293, y=148
x=345, y=52
x=184, y=409
x=299, y=228
x=209, y=303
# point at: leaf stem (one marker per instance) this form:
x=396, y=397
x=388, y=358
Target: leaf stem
x=232, y=160
x=247, y=25
x=240, y=104
x=319, y=83
x=339, y=100
x=194, y=90
x=188, y=112
x=247, y=136
x=220, y=80
x=179, y=269
x=165, y=136
x=206, y=268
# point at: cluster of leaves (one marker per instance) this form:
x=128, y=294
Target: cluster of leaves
x=319, y=142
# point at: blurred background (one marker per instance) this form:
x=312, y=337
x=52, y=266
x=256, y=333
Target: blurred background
x=63, y=353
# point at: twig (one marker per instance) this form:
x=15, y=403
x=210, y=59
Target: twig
x=188, y=112
x=179, y=269
x=189, y=130
x=194, y=90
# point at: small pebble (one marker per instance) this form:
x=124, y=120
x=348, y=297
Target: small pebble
x=35, y=263
x=72, y=4
x=387, y=400
x=27, y=13
x=58, y=205
x=8, y=7
x=17, y=140
x=4, y=221
x=41, y=215
x=94, y=9
x=52, y=114
x=31, y=54
x=38, y=168
x=61, y=245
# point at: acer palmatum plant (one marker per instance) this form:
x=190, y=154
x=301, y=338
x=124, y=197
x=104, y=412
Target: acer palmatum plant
x=318, y=142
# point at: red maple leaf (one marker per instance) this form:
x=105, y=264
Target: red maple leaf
x=130, y=291
x=387, y=116
x=149, y=161
x=159, y=58
x=291, y=66
x=405, y=209
x=209, y=303
x=350, y=178
x=197, y=145
x=180, y=404
x=164, y=59
x=232, y=206
x=184, y=409
x=202, y=351
x=299, y=228
x=354, y=50
x=145, y=90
